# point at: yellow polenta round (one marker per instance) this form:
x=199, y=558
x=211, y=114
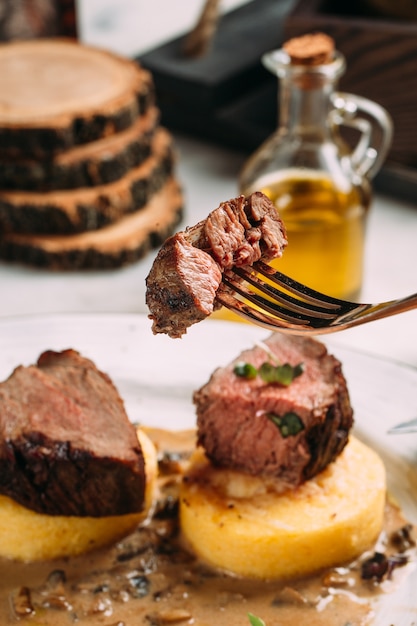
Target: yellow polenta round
x=241, y=524
x=29, y=536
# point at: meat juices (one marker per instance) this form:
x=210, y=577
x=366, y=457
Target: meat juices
x=187, y=272
x=67, y=446
x=233, y=413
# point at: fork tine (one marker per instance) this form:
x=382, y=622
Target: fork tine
x=259, y=318
x=302, y=314
x=271, y=311
x=302, y=291
x=278, y=307
x=264, y=304
x=293, y=304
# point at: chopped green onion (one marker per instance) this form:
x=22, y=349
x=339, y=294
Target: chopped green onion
x=255, y=621
x=281, y=374
x=245, y=370
x=288, y=424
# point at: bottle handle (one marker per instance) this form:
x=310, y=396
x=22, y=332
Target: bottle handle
x=369, y=154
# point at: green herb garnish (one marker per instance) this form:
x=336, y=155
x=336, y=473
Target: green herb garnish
x=255, y=621
x=245, y=370
x=282, y=374
x=270, y=373
x=288, y=424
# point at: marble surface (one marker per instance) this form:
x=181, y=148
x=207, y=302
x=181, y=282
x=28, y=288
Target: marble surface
x=208, y=174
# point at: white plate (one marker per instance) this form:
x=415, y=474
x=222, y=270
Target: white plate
x=156, y=377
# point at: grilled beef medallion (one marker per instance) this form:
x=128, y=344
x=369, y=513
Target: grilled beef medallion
x=289, y=433
x=187, y=272
x=67, y=446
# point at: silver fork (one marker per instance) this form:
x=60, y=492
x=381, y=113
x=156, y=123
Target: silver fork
x=276, y=302
x=404, y=428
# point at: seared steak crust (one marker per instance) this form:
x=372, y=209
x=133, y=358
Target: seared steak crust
x=181, y=286
x=66, y=444
x=187, y=272
x=232, y=413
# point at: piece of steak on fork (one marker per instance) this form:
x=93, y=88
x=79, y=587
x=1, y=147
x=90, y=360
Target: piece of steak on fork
x=182, y=284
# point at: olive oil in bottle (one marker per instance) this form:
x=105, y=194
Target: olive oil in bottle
x=325, y=230
x=319, y=184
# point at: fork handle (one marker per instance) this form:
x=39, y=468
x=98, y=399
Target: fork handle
x=386, y=309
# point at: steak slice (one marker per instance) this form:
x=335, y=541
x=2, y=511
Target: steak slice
x=235, y=415
x=67, y=446
x=183, y=281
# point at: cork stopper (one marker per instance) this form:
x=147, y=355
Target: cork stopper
x=313, y=49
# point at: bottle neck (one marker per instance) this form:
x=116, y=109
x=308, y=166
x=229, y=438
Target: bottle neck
x=304, y=107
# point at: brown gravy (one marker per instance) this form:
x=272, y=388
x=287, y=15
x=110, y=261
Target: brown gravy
x=149, y=578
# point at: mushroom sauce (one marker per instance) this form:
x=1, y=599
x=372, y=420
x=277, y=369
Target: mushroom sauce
x=149, y=578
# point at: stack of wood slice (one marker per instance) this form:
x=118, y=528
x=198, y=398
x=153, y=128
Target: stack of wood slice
x=87, y=173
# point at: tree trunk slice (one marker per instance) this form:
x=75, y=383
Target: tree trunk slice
x=56, y=94
x=119, y=244
x=96, y=163
x=79, y=210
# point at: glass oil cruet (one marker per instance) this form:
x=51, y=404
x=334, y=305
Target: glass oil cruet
x=319, y=184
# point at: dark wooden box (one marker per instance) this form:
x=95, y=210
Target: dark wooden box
x=229, y=98
x=220, y=95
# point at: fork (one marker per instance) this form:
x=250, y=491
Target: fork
x=277, y=302
x=404, y=428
